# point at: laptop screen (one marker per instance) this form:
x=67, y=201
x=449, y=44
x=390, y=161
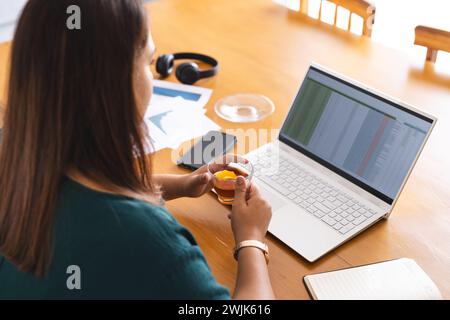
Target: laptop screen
x=365, y=138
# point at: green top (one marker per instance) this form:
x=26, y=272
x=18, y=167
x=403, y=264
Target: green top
x=124, y=248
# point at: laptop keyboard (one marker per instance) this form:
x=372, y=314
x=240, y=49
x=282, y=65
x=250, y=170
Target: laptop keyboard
x=333, y=207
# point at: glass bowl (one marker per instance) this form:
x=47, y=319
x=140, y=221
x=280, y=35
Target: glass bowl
x=244, y=107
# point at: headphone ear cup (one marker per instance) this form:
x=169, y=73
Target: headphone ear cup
x=164, y=65
x=188, y=73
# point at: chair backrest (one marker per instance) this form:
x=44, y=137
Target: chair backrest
x=362, y=8
x=433, y=39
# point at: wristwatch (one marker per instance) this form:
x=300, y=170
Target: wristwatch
x=255, y=244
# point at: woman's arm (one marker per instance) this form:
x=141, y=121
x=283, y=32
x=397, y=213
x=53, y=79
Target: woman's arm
x=172, y=185
x=253, y=280
x=192, y=185
x=250, y=219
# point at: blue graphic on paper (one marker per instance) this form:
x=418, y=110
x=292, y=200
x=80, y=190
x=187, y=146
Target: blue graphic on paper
x=177, y=93
x=156, y=120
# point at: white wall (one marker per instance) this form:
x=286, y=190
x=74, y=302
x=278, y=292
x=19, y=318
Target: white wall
x=9, y=12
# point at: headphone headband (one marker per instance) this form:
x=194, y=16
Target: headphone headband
x=188, y=72
x=200, y=57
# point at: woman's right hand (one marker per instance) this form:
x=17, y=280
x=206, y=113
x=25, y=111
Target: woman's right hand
x=251, y=214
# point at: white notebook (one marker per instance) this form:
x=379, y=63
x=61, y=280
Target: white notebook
x=400, y=279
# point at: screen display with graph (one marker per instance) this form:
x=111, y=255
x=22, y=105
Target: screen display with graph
x=361, y=136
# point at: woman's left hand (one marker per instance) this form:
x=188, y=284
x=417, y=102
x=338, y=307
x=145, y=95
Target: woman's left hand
x=197, y=183
x=192, y=185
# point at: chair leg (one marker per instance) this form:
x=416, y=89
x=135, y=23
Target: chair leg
x=367, y=31
x=431, y=55
x=304, y=6
x=320, y=11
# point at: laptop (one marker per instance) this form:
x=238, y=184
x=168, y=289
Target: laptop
x=340, y=161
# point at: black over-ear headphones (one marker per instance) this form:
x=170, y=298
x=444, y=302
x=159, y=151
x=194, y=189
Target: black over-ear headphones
x=188, y=72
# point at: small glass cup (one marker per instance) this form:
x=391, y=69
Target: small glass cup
x=225, y=182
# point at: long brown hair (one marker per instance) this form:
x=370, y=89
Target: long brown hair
x=70, y=103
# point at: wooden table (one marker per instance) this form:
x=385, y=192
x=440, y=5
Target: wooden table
x=262, y=49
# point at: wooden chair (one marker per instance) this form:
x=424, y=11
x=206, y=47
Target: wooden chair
x=362, y=8
x=433, y=39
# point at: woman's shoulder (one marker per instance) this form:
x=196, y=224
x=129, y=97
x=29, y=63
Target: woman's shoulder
x=144, y=220
x=119, y=220
x=79, y=202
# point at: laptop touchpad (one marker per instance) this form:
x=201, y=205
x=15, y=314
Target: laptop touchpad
x=268, y=194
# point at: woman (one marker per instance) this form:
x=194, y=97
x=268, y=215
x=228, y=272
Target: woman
x=77, y=193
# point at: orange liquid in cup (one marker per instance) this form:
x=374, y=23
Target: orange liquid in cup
x=225, y=187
